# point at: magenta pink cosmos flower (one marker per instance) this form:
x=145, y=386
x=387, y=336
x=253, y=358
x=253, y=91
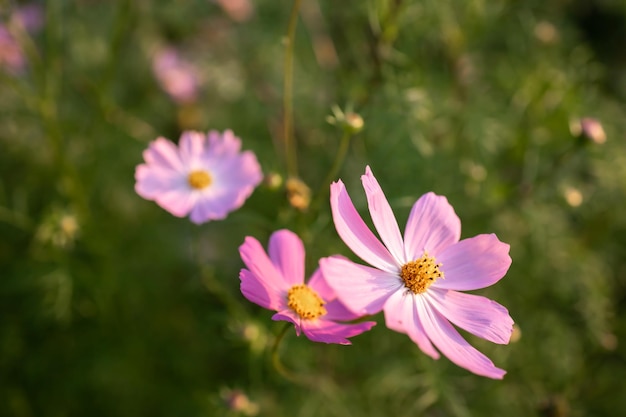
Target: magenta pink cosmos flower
x=205, y=177
x=276, y=282
x=416, y=280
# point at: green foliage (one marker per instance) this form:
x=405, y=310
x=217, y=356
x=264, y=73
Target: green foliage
x=112, y=307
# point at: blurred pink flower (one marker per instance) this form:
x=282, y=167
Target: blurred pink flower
x=28, y=18
x=238, y=10
x=277, y=283
x=416, y=280
x=177, y=77
x=11, y=53
x=206, y=176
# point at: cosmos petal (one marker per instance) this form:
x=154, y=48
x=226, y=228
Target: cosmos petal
x=383, y=217
x=330, y=332
x=164, y=153
x=473, y=263
x=288, y=315
x=401, y=315
x=432, y=226
x=287, y=254
x=176, y=201
x=478, y=315
x=264, y=271
x=361, y=288
x=257, y=292
x=355, y=233
x=318, y=283
x=191, y=145
x=445, y=337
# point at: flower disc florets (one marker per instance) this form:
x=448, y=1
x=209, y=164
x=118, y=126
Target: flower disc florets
x=418, y=275
x=305, y=302
x=199, y=179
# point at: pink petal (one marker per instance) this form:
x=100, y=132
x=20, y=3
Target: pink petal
x=478, y=315
x=337, y=311
x=192, y=146
x=150, y=182
x=318, y=283
x=432, y=226
x=256, y=291
x=330, y=332
x=287, y=254
x=473, y=263
x=451, y=344
x=355, y=234
x=401, y=316
x=206, y=209
x=383, y=217
x=291, y=317
x=164, y=153
x=178, y=202
x=361, y=288
x=225, y=144
x=259, y=264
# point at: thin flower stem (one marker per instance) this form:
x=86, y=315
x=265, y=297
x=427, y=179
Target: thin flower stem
x=344, y=145
x=278, y=365
x=290, y=149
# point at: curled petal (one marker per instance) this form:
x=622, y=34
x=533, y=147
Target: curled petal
x=287, y=254
x=383, y=217
x=258, y=293
x=263, y=269
x=478, y=315
x=473, y=263
x=288, y=315
x=432, y=226
x=355, y=233
x=401, y=316
x=451, y=343
x=361, y=288
x=330, y=332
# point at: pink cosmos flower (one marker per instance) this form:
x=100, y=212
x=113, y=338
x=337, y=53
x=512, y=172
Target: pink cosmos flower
x=205, y=177
x=416, y=280
x=276, y=282
x=27, y=18
x=177, y=77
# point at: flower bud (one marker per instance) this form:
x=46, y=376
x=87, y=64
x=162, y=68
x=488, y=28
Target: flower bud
x=298, y=194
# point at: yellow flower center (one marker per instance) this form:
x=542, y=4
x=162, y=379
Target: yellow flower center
x=306, y=302
x=418, y=275
x=199, y=179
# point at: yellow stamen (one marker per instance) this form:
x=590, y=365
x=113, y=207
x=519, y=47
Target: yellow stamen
x=418, y=275
x=199, y=179
x=305, y=302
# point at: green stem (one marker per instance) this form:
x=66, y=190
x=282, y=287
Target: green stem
x=278, y=365
x=290, y=149
x=344, y=145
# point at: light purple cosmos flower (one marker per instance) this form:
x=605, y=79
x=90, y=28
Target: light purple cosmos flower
x=416, y=279
x=205, y=177
x=276, y=282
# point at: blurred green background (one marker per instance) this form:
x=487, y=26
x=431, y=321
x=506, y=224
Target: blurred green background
x=112, y=307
